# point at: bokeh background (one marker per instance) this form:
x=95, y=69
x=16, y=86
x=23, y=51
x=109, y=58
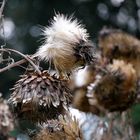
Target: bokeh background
x=23, y=18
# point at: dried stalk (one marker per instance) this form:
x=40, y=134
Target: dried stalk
x=2, y=7
x=27, y=58
x=13, y=65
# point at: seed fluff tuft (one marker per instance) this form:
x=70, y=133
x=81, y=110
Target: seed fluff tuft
x=66, y=45
x=60, y=36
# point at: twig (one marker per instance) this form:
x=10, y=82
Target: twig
x=13, y=65
x=27, y=58
x=2, y=8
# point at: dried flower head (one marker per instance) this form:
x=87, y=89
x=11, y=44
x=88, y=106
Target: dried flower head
x=116, y=90
x=66, y=128
x=71, y=127
x=82, y=102
x=66, y=44
x=82, y=79
x=40, y=97
x=6, y=119
x=116, y=44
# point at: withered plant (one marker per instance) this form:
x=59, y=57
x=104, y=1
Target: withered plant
x=100, y=81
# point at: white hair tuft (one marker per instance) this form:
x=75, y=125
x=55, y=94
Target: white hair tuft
x=61, y=36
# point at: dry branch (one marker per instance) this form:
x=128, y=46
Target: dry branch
x=26, y=57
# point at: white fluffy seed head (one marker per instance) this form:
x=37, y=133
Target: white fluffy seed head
x=61, y=37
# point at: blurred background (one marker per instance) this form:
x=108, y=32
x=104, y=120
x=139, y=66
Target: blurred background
x=23, y=18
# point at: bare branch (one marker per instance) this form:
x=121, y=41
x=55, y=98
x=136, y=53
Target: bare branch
x=27, y=58
x=2, y=7
x=13, y=65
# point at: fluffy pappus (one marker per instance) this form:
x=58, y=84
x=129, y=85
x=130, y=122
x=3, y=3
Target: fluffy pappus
x=66, y=44
x=116, y=44
x=116, y=90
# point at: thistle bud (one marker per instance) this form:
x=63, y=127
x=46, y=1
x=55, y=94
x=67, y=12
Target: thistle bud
x=40, y=97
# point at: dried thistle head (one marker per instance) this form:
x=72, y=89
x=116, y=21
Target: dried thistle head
x=116, y=90
x=66, y=44
x=82, y=102
x=82, y=79
x=53, y=130
x=6, y=118
x=66, y=128
x=116, y=44
x=40, y=97
x=71, y=127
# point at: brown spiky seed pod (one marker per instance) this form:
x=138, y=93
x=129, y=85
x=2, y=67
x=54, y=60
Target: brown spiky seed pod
x=116, y=90
x=6, y=119
x=66, y=128
x=40, y=97
x=116, y=44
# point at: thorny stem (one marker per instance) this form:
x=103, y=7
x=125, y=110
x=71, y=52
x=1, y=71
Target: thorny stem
x=27, y=58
